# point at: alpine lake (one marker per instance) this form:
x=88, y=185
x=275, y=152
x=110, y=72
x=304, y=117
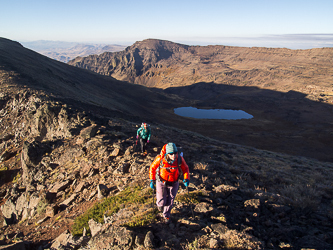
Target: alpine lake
x=226, y=114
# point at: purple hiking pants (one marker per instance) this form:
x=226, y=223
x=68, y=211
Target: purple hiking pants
x=165, y=196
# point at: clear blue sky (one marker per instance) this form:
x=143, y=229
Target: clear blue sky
x=188, y=21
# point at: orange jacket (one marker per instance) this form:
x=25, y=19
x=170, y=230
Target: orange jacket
x=170, y=174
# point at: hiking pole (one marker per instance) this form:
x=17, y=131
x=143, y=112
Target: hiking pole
x=153, y=199
x=136, y=143
x=188, y=194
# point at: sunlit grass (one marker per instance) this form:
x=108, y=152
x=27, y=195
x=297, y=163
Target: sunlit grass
x=131, y=196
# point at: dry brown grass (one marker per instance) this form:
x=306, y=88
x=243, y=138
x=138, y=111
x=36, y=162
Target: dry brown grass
x=296, y=181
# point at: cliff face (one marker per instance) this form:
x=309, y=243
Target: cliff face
x=135, y=61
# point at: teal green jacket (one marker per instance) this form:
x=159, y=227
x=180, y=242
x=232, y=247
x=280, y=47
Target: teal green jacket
x=144, y=133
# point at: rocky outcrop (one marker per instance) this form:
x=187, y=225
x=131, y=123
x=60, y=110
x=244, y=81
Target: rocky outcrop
x=31, y=156
x=229, y=212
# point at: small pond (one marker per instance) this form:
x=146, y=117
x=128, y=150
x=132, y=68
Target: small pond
x=227, y=114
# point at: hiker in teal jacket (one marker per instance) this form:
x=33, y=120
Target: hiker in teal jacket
x=144, y=133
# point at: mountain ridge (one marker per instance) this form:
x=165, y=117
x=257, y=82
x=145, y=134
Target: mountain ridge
x=191, y=64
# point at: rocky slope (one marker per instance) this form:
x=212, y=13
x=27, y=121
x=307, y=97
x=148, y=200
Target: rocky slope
x=249, y=198
x=61, y=154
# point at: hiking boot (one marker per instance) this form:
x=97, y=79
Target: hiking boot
x=160, y=209
x=167, y=220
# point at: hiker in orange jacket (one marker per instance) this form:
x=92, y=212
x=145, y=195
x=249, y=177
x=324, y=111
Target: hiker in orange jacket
x=164, y=175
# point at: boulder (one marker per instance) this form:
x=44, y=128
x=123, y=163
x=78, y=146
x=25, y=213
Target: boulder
x=94, y=227
x=113, y=238
x=9, y=212
x=89, y=132
x=252, y=204
x=64, y=240
x=122, y=168
x=31, y=155
x=59, y=186
x=149, y=240
x=69, y=200
x=103, y=191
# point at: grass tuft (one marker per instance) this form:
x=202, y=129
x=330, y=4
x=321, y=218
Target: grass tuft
x=192, y=197
x=131, y=196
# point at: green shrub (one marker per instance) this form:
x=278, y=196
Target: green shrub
x=41, y=206
x=143, y=219
x=111, y=205
x=192, y=197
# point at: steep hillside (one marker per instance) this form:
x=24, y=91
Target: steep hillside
x=28, y=68
x=67, y=152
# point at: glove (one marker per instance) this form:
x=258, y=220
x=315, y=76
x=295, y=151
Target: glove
x=152, y=184
x=137, y=137
x=147, y=141
x=186, y=182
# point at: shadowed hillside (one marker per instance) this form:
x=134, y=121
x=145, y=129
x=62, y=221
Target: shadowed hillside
x=289, y=92
x=28, y=68
x=285, y=122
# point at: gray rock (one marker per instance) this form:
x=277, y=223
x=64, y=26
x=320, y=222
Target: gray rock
x=21, y=203
x=31, y=155
x=103, y=191
x=65, y=239
x=94, y=227
x=213, y=243
x=115, y=152
x=113, y=238
x=149, y=240
x=69, y=200
x=9, y=211
x=89, y=132
x=122, y=168
x=220, y=228
x=252, y=204
x=80, y=187
x=203, y=207
x=59, y=186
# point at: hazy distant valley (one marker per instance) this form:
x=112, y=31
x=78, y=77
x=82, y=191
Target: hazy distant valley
x=66, y=51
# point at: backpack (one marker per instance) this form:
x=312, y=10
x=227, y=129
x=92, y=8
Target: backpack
x=179, y=162
x=142, y=128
